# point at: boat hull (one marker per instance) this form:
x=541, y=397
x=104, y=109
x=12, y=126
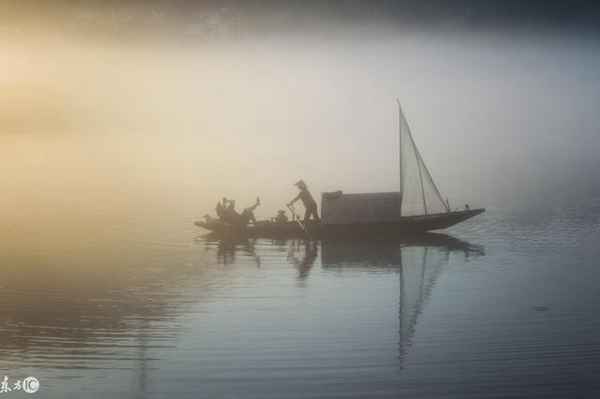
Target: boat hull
x=402, y=226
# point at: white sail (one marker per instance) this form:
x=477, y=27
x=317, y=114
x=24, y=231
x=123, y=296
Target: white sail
x=418, y=193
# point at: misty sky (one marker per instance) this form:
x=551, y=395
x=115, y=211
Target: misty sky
x=110, y=109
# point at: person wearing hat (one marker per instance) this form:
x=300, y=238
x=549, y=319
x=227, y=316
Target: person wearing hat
x=307, y=200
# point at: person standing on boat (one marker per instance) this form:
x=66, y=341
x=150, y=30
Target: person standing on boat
x=310, y=205
x=220, y=208
x=247, y=215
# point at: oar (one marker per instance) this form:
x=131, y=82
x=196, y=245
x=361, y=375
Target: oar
x=291, y=208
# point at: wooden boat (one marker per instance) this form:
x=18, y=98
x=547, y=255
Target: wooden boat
x=405, y=225
x=416, y=208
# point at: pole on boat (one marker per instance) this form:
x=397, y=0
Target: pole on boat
x=295, y=217
x=422, y=188
x=400, y=153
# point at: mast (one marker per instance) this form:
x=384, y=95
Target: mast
x=400, y=154
x=420, y=178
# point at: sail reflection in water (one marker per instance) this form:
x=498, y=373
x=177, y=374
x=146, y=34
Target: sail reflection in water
x=418, y=260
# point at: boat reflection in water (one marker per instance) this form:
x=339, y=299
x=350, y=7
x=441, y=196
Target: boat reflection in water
x=418, y=261
x=128, y=325
x=303, y=255
x=226, y=250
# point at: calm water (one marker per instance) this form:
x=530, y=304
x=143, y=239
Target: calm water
x=503, y=307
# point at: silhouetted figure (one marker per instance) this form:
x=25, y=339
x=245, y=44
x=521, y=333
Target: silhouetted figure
x=310, y=205
x=247, y=215
x=220, y=208
x=281, y=217
x=231, y=216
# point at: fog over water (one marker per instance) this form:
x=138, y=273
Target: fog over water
x=502, y=120
x=123, y=122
